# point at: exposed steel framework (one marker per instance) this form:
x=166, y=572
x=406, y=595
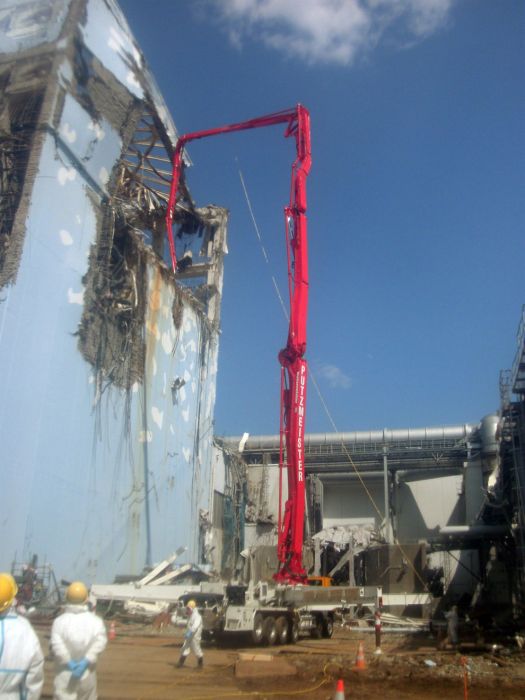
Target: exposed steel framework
x=293, y=365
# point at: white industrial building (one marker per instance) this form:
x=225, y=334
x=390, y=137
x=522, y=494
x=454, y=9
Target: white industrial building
x=415, y=494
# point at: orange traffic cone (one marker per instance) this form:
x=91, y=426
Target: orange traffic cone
x=112, y=632
x=340, y=690
x=360, y=663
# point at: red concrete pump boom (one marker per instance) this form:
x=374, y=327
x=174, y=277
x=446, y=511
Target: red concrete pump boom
x=293, y=364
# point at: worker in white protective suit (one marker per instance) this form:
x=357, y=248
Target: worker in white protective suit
x=78, y=636
x=21, y=658
x=192, y=635
x=452, y=625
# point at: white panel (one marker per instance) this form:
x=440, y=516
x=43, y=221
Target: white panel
x=250, y=535
x=425, y=505
x=266, y=478
x=349, y=504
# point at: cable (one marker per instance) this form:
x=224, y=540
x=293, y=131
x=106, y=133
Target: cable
x=263, y=249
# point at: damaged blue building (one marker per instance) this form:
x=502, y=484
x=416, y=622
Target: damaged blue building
x=109, y=360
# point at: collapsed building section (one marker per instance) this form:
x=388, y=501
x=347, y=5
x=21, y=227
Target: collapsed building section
x=222, y=527
x=18, y=120
x=400, y=509
x=109, y=358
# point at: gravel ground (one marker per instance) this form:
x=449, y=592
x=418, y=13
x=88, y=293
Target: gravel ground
x=140, y=665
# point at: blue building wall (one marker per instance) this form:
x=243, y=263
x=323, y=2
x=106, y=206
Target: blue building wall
x=97, y=479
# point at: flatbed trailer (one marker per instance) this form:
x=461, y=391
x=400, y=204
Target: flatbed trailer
x=272, y=613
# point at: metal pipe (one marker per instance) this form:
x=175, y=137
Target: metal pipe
x=386, y=436
x=388, y=530
x=373, y=465
x=147, y=516
x=385, y=629
x=414, y=471
x=472, y=530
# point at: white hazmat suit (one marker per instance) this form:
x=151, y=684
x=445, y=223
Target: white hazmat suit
x=77, y=634
x=193, y=635
x=21, y=658
x=452, y=625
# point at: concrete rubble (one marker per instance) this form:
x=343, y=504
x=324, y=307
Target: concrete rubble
x=154, y=593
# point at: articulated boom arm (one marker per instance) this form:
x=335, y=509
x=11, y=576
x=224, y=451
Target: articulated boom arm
x=293, y=366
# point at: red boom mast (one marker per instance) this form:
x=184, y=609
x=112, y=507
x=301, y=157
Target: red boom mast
x=293, y=365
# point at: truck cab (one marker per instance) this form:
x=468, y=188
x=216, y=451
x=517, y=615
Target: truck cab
x=322, y=581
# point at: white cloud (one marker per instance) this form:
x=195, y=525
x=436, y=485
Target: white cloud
x=428, y=15
x=335, y=377
x=328, y=31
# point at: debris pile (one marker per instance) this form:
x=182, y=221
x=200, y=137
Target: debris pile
x=153, y=594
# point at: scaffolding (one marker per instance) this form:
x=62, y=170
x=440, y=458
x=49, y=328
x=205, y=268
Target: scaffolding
x=512, y=393
x=37, y=585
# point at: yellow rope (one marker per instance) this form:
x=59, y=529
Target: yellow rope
x=252, y=693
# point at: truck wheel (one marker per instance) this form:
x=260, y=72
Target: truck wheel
x=257, y=631
x=328, y=627
x=293, y=632
x=317, y=629
x=281, y=626
x=269, y=631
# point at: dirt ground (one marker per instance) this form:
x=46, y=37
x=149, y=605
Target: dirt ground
x=139, y=664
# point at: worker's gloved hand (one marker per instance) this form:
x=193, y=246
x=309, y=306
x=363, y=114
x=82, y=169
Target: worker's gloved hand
x=80, y=668
x=72, y=665
x=188, y=635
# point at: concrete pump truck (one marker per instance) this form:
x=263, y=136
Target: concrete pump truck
x=278, y=612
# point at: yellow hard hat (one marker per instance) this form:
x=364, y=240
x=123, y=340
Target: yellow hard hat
x=8, y=591
x=15, y=584
x=76, y=593
x=191, y=604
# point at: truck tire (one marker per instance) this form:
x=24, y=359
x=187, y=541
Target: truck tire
x=257, y=631
x=328, y=627
x=317, y=629
x=293, y=632
x=281, y=626
x=269, y=631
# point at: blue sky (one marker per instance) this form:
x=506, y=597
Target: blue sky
x=415, y=199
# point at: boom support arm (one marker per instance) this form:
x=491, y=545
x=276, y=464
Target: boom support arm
x=293, y=365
